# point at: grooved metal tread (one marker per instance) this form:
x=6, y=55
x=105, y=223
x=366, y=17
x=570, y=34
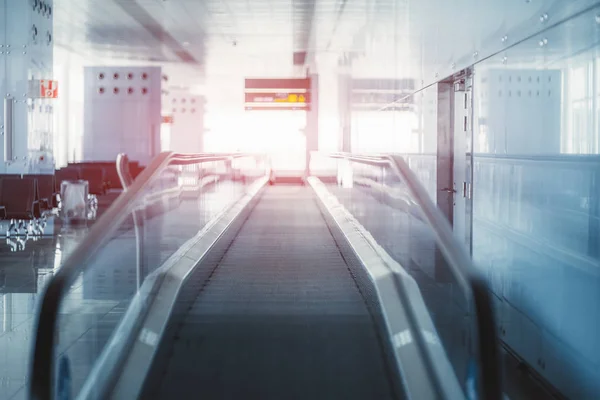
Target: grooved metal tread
x=280, y=317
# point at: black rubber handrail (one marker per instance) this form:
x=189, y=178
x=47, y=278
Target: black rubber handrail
x=490, y=382
x=42, y=373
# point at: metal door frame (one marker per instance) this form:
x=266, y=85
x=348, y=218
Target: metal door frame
x=447, y=187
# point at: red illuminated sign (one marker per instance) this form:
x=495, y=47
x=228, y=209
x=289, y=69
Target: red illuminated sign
x=167, y=119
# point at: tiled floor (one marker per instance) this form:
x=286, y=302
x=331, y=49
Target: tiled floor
x=98, y=299
x=22, y=276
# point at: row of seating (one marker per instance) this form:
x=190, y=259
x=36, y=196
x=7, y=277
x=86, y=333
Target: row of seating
x=25, y=197
x=100, y=175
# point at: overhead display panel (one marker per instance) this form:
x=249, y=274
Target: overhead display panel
x=277, y=94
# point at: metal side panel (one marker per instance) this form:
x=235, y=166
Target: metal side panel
x=402, y=314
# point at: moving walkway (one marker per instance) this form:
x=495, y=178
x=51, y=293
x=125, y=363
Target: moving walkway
x=245, y=290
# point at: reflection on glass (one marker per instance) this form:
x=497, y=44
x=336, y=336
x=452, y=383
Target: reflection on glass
x=536, y=171
x=536, y=214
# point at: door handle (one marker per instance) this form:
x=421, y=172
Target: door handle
x=448, y=190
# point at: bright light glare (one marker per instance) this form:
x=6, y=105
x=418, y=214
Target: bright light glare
x=390, y=131
x=277, y=133
x=165, y=137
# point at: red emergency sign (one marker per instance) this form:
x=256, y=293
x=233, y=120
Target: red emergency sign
x=48, y=89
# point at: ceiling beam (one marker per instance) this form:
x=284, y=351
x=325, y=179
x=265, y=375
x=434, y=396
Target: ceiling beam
x=304, y=26
x=156, y=30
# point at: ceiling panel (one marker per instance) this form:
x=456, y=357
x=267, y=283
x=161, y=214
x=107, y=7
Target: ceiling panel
x=423, y=39
x=235, y=32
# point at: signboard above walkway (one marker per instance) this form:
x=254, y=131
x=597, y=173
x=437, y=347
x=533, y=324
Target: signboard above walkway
x=277, y=94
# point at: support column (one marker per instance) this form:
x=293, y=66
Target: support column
x=187, y=125
x=345, y=112
x=312, y=121
x=201, y=126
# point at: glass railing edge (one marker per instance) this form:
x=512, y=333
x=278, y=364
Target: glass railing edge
x=41, y=375
x=487, y=346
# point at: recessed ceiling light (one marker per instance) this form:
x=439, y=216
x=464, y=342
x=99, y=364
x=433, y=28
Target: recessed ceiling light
x=186, y=44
